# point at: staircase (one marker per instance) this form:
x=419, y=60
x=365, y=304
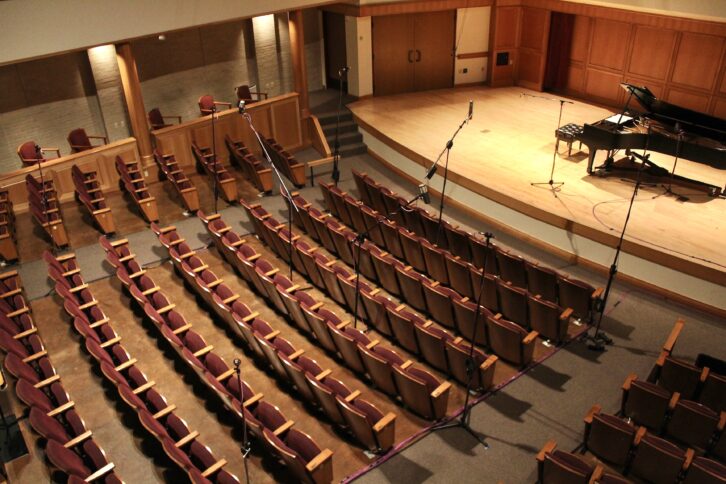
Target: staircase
x=351, y=141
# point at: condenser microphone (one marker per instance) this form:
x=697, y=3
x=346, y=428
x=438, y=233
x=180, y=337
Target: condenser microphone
x=343, y=70
x=471, y=110
x=241, y=105
x=237, y=362
x=423, y=191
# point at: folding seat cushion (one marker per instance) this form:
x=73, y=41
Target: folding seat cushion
x=372, y=219
x=340, y=210
x=692, y=423
x=439, y=303
x=204, y=460
x=713, y=393
x=558, y=467
x=376, y=305
x=311, y=270
x=411, y=247
x=657, y=460
x=360, y=184
x=421, y=391
x=376, y=197
x=680, y=376
x=430, y=225
x=370, y=426
x=48, y=427
x=269, y=348
x=646, y=403
x=269, y=416
x=548, y=319
x=391, y=237
x=40, y=370
x=385, y=267
x=577, y=295
x=472, y=325
x=510, y=341
x=296, y=375
x=352, y=293
x=703, y=470
x=317, y=322
x=402, y=326
x=432, y=342
x=356, y=217
x=323, y=230
x=53, y=397
x=458, y=242
x=326, y=398
x=608, y=437
x=435, y=259
x=347, y=339
x=541, y=281
x=302, y=456
x=411, y=284
x=513, y=303
x=511, y=268
x=31, y=346
x=393, y=202
x=411, y=219
x=457, y=354
x=341, y=238
x=459, y=278
x=328, y=272
x=379, y=362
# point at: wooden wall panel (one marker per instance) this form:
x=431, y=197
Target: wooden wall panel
x=696, y=62
x=603, y=85
x=576, y=78
x=580, y=39
x=719, y=108
x=652, y=52
x=506, y=27
x=609, y=44
x=534, y=23
x=688, y=99
x=530, y=68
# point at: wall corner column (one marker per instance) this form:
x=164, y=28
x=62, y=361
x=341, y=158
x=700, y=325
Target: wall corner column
x=134, y=101
x=297, y=51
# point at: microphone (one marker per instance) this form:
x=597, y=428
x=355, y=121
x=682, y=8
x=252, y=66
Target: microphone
x=431, y=172
x=237, y=362
x=241, y=105
x=423, y=191
x=471, y=109
x=342, y=70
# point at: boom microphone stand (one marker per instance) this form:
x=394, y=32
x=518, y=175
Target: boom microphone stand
x=465, y=416
x=553, y=185
x=336, y=144
x=246, y=445
x=598, y=341
x=283, y=187
x=447, y=150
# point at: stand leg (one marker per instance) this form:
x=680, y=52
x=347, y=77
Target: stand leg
x=553, y=185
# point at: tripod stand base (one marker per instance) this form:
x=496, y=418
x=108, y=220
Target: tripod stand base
x=598, y=341
x=553, y=185
x=461, y=423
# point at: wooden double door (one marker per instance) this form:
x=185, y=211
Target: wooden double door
x=413, y=52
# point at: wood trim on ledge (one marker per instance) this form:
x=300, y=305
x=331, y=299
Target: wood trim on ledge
x=472, y=55
x=556, y=251
x=397, y=8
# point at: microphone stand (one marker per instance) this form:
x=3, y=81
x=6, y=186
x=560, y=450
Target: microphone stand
x=214, y=154
x=283, y=188
x=465, y=416
x=246, y=445
x=336, y=144
x=600, y=339
x=43, y=196
x=432, y=170
x=553, y=185
x=669, y=188
x=359, y=239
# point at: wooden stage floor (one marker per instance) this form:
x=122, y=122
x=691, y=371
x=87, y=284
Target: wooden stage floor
x=510, y=143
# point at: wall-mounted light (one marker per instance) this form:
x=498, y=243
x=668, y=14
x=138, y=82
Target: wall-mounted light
x=162, y=37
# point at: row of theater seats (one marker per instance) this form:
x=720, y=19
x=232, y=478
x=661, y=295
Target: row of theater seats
x=209, y=163
x=88, y=192
x=69, y=444
x=169, y=169
x=285, y=162
x=345, y=407
x=8, y=247
x=45, y=209
x=131, y=180
x=658, y=436
x=418, y=389
x=507, y=339
x=160, y=419
x=456, y=245
x=266, y=422
x=255, y=171
x=423, y=338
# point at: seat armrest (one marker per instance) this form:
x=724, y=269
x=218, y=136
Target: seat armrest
x=548, y=448
x=591, y=413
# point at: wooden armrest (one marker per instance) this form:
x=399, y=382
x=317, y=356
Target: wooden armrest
x=225, y=375
x=100, y=472
x=77, y=440
x=35, y=356
x=252, y=400
x=316, y=306
x=72, y=272
x=214, y=468
x=127, y=257
x=330, y=263
x=591, y=413
x=399, y=307
x=47, y=381
x=639, y=434
x=98, y=323
x=25, y=333
x=177, y=241
x=722, y=421
x=61, y=409
x=201, y=268
x=566, y=314
x=167, y=229
x=63, y=258
x=670, y=342
x=186, y=439
x=352, y=396
x=18, y=312
x=181, y=329
x=530, y=337
x=597, y=474
x=292, y=288
x=11, y=293
x=237, y=243
x=548, y=448
x=690, y=454
x=406, y=364
x=321, y=376
x=294, y=356
x=284, y=427
x=137, y=274
x=7, y=275
x=674, y=400
x=441, y=389
x=488, y=362
x=166, y=308
x=271, y=272
x=187, y=255
x=164, y=411
x=215, y=283
x=144, y=387
x=203, y=351
x=110, y=342
x=250, y=317
x=704, y=374
x=628, y=381
x=597, y=293
x=88, y=304
x=318, y=460
x=343, y=324
x=230, y=299
x=372, y=344
x=74, y=290
x=253, y=257
x=151, y=290
x=126, y=364
x=384, y=421
x=271, y=335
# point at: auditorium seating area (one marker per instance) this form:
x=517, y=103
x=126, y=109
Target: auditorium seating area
x=8, y=239
x=46, y=209
x=89, y=193
x=222, y=180
x=288, y=166
x=259, y=175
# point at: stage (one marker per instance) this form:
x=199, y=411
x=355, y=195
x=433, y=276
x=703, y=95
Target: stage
x=673, y=247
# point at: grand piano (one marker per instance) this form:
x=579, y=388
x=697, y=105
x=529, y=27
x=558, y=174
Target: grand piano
x=661, y=127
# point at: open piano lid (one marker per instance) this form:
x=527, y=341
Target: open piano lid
x=690, y=121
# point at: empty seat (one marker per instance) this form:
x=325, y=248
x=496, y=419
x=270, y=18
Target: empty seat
x=657, y=460
x=703, y=470
x=548, y=319
x=510, y=341
x=581, y=297
x=541, y=281
x=513, y=303
x=511, y=268
x=693, y=424
x=421, y=391
x=558, y=467
x=646, y=403
x=80, y=141
x=608, y=437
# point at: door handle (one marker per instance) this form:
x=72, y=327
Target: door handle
x=410, y=53
x=418, y=55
